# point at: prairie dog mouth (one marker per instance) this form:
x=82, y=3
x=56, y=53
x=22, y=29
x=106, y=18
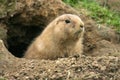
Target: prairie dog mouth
x=76, y=33
x=79, y=31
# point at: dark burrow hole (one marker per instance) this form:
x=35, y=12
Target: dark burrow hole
x=19, y=38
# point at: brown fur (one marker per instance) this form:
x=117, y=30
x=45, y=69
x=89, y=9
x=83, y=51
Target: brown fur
x=62, y=37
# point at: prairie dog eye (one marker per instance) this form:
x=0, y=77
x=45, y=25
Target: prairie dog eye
x=67, y=21
x=81, y=26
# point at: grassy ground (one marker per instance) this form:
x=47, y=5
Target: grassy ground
x=99, y=13
x=6, y=7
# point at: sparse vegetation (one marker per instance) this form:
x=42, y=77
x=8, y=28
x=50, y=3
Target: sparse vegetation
x=6, y=7
x=101, y=14
x=2, y=78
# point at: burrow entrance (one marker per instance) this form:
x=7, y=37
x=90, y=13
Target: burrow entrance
x=20, y=36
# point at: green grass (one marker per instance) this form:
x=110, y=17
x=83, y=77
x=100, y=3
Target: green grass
x=101, y=14
x=7, y=7
x=2, y=78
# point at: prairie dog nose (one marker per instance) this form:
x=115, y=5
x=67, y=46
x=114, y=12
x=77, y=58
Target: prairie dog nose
x=82, y=28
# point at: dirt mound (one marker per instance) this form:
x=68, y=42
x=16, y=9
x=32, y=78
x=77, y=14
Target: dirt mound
x=82, y=68
x=29, y=18
x=71, y=68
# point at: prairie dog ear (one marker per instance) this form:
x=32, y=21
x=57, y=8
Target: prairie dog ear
x=59, y=20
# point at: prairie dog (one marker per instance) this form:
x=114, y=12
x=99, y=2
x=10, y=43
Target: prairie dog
x=62, y=37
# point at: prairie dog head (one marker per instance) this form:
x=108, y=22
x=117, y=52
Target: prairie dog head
x=68, y=26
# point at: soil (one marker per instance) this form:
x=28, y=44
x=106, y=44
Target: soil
x=100, y=60
x=82, y=68
x=71, y=68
